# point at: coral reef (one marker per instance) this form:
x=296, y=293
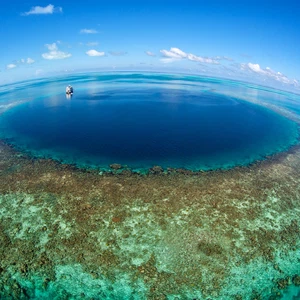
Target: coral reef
x=67, y=232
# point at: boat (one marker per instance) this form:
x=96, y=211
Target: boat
x=69, y=90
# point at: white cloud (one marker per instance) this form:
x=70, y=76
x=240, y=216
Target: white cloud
x=170, y=54
x=88, y=31
x=52, y=47
x=94, y=53
x=267, y=73
x=149, y=53
x=40, y=10
x=255, y=68
x=177, y=54
x=29, y=61
x=54, y=53
x=201, y=59
x=296, y=83
x=11, y=66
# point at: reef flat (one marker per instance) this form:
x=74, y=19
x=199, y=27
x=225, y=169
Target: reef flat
x=69, y=233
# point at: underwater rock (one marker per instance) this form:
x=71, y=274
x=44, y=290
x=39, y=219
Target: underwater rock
x=171, y=170
x=46, y=283
x=24, y=268
x=283, y=283
x=296, y=280
x=184, y=171
x=210, y=248
x=126, y=172
x=156, y=170
x=116, y=219
x=115, y=166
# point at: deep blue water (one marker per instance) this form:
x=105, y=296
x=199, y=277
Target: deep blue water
x=141, y=121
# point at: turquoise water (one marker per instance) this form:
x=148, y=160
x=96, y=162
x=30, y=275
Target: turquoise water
x=141, y=120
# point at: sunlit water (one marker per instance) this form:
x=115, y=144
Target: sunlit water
x=144, y=120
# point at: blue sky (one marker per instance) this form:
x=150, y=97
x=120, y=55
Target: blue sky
x=249, y=40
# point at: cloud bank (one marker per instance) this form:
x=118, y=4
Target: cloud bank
x=175, y=54
x=40, y=10
x=248, y=70
x=266, y=72
x=54, y=53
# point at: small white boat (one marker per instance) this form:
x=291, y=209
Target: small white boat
x=69, y=90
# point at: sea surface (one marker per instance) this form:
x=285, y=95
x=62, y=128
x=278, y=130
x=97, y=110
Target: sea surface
x=142, y=120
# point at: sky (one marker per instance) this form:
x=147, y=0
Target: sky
x=254, y=41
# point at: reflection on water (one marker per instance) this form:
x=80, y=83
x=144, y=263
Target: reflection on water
x=69, y=96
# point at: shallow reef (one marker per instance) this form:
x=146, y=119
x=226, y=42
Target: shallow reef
x=71, y=233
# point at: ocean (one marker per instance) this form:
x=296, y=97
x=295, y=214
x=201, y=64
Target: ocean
x=148, y=186
x=141, y=121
